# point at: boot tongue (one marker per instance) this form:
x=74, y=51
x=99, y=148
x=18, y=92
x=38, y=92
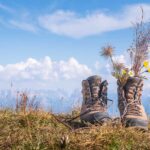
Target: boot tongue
x=94, y=83
x=95, y=88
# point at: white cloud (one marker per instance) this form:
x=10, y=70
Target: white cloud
x=23, y=25
x=45, y=70
x=71, y=24
x=120, y=59
x=97, y=65
x=107, y=65
x=6, y=8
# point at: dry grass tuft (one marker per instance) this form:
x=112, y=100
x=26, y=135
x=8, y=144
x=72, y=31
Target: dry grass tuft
x=40, y=130
x=26, y=104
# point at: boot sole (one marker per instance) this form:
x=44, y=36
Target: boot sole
x=98, y=117
x=136, y=123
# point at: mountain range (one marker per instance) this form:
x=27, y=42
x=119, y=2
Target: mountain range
x=58, y=101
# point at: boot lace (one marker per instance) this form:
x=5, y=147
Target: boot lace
x=101, y=100
x=132, y=108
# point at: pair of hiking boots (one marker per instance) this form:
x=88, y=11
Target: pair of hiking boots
x=94, y=106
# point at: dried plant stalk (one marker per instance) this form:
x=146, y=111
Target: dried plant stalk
x=139, y=50
x=138, y=53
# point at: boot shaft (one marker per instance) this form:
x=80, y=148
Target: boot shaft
x=130, y=92
x=94, y=84
x=121, y=98
x=129, y=101
x=133, y=89
x=94, y=94
x=94, y=106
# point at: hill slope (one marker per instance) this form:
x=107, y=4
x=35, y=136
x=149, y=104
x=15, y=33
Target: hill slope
x=41, y=130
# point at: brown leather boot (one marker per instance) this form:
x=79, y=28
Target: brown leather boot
x=121, y=98
x=130, y=106
x=94, y=106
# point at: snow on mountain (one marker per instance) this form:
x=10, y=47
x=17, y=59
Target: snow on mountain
x=59, y=101
x=51, y=100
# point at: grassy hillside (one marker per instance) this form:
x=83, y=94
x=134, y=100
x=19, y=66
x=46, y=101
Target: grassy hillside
x=41, y=130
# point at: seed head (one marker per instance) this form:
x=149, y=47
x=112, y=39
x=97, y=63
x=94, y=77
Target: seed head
x=107, y=51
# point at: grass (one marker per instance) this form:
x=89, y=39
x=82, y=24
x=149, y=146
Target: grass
x=37, y=130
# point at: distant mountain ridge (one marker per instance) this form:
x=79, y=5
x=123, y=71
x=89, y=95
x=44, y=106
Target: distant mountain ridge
x=52, y=100
x=60, y=101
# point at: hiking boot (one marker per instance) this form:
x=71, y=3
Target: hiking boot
x=133, y=113
x=121, y=98
x=94, y=106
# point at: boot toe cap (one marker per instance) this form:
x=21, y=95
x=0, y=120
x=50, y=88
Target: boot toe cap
x=138, y=123
x=102, y=117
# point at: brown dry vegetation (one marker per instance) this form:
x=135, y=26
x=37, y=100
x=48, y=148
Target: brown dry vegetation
x=37, y=130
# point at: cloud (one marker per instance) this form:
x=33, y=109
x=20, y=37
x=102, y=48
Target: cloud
x=6, y=8
x=45, y=70
x=71, y=24
x=120, y=59
x=75, y=25
x=18, y=20
x=23, y=25
x=97, y=65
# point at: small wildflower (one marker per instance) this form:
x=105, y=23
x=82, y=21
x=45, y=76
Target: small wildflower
x=123, y=72
x=148, y=70
x=115, y=74
x=146, y=64
x=118, y=66
x=131, y=73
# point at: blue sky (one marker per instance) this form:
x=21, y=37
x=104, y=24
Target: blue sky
x=26, y=44
x=45, y=43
